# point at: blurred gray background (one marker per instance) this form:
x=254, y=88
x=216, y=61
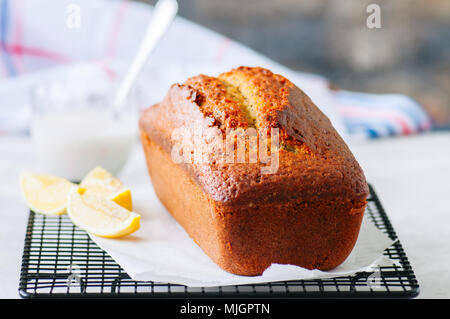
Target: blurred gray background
x=409, y=54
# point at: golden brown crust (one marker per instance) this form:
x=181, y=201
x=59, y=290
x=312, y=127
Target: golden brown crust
x=307, y=213
x=325, y=168
x=214, y=101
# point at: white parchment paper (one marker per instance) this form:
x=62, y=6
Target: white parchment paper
x=162, y=251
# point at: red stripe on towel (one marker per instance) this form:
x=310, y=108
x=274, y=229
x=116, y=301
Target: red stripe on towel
x=17, y=35
x=114, y=35
x=222, y=50
x=19, y=50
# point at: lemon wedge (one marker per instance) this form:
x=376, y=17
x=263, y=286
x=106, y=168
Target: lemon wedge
x=45, y=194
x=100, y=216
x=102, y=183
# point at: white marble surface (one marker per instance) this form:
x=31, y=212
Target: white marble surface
x=410, y=175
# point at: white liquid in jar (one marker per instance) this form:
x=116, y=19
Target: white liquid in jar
x=70, y=144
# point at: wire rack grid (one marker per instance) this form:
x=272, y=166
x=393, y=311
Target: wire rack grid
x=60, y=260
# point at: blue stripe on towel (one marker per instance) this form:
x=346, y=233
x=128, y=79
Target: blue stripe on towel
x=4, y=21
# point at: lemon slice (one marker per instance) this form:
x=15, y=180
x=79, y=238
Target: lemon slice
x=100, y=216
x=102, y=183
x=45, y=194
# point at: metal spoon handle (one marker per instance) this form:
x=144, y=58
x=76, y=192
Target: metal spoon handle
x=163, y=14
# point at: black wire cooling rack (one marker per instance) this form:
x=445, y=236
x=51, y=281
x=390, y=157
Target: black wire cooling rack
x=60, y=260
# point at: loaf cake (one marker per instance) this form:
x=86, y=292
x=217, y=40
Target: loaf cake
x=306, y=210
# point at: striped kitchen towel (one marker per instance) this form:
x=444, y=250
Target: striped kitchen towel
x=380, y=115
